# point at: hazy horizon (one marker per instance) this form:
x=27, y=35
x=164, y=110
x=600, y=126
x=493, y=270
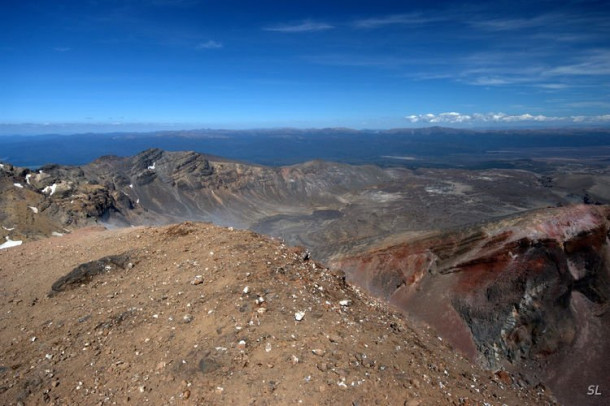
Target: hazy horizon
x=49, y=129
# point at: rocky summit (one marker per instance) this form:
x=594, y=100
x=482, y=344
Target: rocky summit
x=198, y=314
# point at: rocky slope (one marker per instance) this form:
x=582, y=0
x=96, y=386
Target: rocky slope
x=197, y=314
x=530, y=293
x=328, y=207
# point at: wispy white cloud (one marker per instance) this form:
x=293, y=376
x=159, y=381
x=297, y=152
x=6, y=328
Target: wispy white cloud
x=588, y=119
x=532, y=68
x=590, y=104
x=552, y=86
x=395, y=19
x=596, y=63
x=517, y=24
x=383, y=61
x=490, y=118
x=210, y=44
x=305, y=26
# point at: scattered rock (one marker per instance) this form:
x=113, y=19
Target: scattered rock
x=504, y=377
x=129, y=330
x=197, y=280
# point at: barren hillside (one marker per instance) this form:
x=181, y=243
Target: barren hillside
x=197, y=314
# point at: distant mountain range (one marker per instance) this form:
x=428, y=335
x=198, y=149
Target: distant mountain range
x=425, y=147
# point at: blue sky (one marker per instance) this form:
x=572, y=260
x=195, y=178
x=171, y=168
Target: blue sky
x=147, y=64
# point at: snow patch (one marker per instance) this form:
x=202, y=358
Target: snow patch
x=152, y=167
x=1, y=166
x=27, y=178
x=50, y=189
x=131, y=186
x=8, y=229
x=383, y=197
x=10, y=243
x=56, y=234
x=19, y=185
x=34, y=209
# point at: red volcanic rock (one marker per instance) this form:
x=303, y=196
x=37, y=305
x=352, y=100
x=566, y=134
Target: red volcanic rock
x=528, y=294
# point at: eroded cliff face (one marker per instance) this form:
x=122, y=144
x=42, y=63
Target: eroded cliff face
x=328, y=207
x=529, y=293
x=159, y=187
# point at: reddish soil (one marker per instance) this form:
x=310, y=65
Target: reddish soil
x=206, y=315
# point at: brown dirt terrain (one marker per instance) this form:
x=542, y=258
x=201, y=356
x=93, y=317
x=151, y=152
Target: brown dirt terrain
x=198, y=314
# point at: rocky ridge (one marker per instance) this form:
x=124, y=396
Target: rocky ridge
x=328, y=207
x=197, y=314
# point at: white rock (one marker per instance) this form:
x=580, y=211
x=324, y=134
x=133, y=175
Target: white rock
x=198, y=280
x=298, y=316
x=50, y=189
x=246, y=290
x=10, y=243
x=19, y=185
x=345, y=302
